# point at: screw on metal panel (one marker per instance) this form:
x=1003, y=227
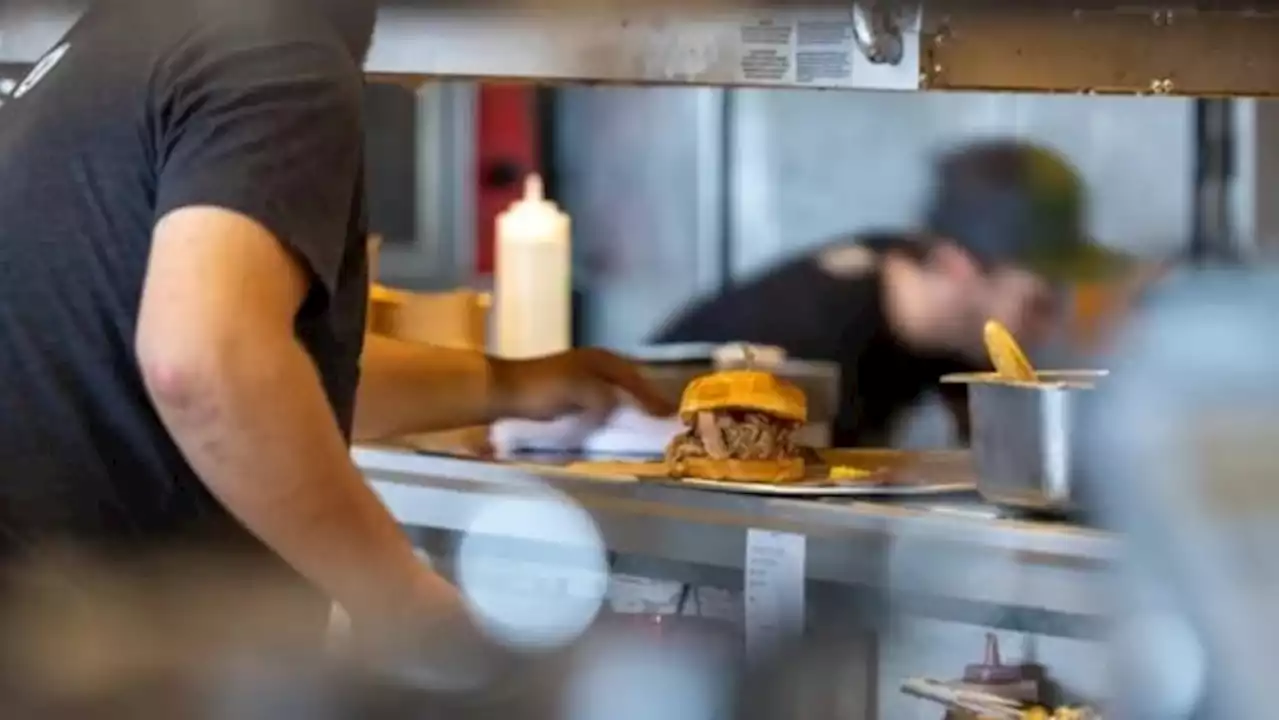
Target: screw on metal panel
x=943, y=31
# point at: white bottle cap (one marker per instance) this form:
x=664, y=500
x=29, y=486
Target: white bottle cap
x=533, y=188
x=744, y=355
x=533, y=217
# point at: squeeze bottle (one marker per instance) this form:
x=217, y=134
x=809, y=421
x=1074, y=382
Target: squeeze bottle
x=532, y=285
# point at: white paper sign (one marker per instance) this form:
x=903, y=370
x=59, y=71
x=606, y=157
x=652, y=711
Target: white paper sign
x=810, y=48
x=773, y=588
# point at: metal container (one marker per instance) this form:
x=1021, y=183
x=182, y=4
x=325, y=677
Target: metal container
x=1023, y=436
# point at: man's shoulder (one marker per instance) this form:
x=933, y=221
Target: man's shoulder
x=234, y=25
x=857, y=257
x=847, y=261
x=171, y=30
x=242, y=46
x=148, y=20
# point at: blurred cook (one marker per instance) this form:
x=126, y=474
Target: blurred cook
x=899, y=310
x=184, y=287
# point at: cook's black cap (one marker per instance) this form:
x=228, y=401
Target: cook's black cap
x=1017, y=203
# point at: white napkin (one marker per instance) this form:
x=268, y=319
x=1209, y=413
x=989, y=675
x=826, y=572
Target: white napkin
x=628, y=431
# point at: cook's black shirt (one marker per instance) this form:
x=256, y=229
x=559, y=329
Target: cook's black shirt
x=145, y=107
x=833, y=314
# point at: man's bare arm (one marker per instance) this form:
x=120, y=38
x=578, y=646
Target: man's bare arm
x=411, y=388
x=243, y=401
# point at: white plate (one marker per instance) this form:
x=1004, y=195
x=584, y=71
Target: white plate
x=678, y=353
x=850, y=490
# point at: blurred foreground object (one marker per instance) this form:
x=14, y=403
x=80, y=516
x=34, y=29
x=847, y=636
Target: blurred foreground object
x=1183, y=443
x=217, y=634
x=969, y=704
x=1099, y=309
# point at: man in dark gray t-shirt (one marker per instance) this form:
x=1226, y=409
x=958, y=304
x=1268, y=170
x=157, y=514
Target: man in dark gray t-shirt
x=182, y=299
x=899, y=310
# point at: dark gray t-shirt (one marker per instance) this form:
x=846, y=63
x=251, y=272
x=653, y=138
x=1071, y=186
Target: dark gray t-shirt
x=143, y=108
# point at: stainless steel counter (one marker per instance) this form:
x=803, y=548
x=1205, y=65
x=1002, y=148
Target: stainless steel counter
x=942, y=559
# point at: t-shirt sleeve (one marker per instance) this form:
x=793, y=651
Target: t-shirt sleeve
x=267, y=128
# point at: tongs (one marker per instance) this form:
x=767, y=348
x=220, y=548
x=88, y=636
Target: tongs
x=979, y=703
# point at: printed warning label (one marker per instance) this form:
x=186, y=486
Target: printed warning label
x=824, y=52
x=802, y=50
x=766, y=51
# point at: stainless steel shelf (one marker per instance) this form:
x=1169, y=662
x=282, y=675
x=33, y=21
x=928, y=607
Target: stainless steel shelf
x=1086, y=47
x=924, y=557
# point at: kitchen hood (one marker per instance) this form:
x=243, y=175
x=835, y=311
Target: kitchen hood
x=1086, y=46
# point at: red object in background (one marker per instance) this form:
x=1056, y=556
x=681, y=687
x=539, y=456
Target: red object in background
x=506, y=151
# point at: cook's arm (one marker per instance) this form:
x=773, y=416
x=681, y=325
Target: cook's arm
x=410, y=388
x=255, y=191
x=406, y=387
x=243, y=401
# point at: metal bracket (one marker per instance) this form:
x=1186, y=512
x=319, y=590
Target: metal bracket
x=877, y=31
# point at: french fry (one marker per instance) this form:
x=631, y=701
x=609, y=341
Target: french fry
x=1006, y=355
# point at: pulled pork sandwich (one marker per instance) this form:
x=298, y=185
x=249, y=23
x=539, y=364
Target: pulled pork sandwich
x=740, y=426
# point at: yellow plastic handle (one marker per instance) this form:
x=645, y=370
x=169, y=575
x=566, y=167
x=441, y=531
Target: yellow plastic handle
x=1006, y=355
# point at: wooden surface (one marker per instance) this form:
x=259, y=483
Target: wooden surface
x=1104, y=51
x=456, y=319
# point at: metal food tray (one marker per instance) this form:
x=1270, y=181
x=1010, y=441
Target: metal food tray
x=892, y=474
x=839, y=489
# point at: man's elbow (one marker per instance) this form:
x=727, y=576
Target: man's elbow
x=179, y=372
x=188, y=369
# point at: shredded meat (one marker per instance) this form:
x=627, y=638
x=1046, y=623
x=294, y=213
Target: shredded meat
x=745, y=436
x=707, y=428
